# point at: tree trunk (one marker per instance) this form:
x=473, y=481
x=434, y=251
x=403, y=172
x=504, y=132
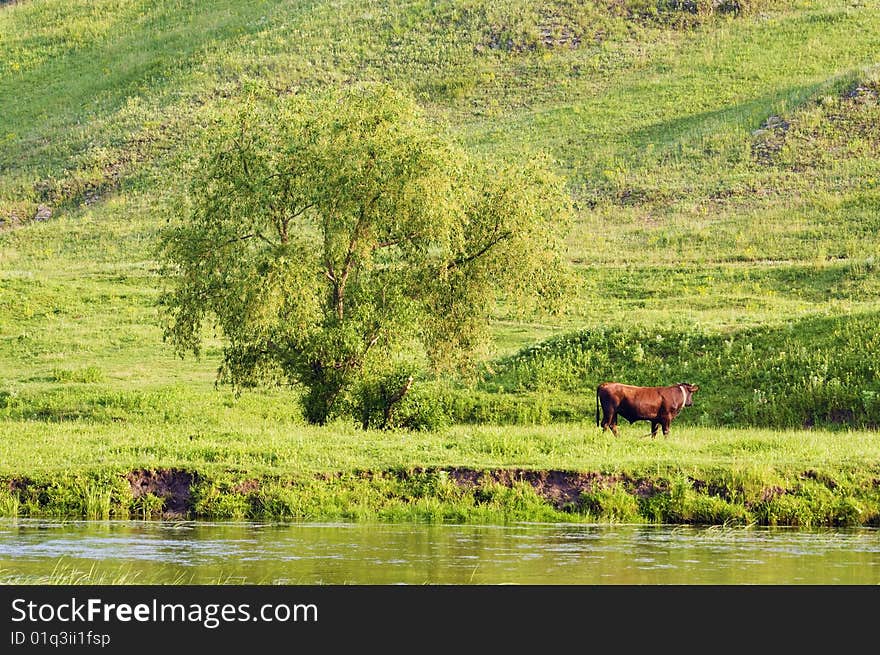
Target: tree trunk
x=392, y=401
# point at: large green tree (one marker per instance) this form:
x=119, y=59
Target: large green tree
x=339, y=236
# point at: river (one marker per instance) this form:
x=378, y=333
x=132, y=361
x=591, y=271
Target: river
x=34, y=551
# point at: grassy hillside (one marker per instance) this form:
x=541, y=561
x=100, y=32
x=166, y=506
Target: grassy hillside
x=721, y=156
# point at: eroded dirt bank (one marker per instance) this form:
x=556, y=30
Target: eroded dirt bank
x=563, y=489
x=807, y=498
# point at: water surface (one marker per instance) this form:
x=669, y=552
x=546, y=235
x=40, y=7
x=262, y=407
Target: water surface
x=196, y=552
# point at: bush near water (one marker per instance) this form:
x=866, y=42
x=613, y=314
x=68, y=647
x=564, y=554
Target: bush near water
x=722, y=160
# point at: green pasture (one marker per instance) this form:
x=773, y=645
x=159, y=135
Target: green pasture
x=724, y=171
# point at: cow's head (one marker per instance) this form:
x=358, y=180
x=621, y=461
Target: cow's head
x=689, y=391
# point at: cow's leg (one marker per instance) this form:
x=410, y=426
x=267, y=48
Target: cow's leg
x=610, y=420
x=609, y=417
x=666, y=421
x=654, y=426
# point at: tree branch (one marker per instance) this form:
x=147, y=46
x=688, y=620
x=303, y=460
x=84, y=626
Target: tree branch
x=354, y=238
x=465, y=259
x=253, y=235
x=394, y=242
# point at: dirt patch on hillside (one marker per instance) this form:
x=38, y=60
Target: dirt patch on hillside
x=769, y=139
x=174, y=486
x=23, y=213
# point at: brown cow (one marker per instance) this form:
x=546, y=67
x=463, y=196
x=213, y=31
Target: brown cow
x=656, y=404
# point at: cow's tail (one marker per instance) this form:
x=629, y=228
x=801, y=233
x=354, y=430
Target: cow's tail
x=597, y=407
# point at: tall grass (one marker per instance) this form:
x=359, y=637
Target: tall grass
x=66, y=573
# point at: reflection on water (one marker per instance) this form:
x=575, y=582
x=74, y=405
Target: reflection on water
x=151, y=552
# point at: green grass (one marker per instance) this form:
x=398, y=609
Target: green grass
x=727, y=188
x=266, y=471
x=265, y=448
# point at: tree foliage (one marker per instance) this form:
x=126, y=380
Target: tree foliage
x=341, y=236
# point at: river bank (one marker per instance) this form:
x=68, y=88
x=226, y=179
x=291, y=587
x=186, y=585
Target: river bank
x=811, y=498
x=268, y=470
